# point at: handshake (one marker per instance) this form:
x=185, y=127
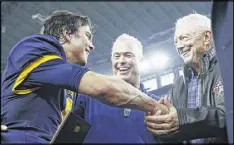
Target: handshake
x=165, y=118
x=162, y=120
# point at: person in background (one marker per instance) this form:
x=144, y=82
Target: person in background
x=118, y=125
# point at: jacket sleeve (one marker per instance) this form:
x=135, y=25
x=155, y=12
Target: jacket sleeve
x=56, y=73
x=41, y=64
x=202, y=122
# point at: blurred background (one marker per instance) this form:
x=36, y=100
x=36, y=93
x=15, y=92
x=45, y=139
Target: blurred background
x=151, y=22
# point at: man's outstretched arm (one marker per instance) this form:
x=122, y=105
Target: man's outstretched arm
x=116, y=92
x=109, y=90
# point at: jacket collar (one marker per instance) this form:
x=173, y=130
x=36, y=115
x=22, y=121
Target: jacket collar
x=207, y=61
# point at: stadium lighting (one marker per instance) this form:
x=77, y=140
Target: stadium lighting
x=159, y=60
x=156, y=61
x=144, y=66
x=39, y=17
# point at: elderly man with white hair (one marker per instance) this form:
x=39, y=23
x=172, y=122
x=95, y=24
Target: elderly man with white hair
x=118, y=125
x=196, y=100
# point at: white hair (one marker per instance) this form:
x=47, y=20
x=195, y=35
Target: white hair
x=199, y=21
x=131, y=40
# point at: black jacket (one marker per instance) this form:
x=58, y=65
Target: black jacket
x=207, y=121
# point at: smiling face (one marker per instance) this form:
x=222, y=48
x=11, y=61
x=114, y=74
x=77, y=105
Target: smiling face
x=189, y=45
x=73, y=32
x=126, y=59
x=191, y=41
x=79, y=45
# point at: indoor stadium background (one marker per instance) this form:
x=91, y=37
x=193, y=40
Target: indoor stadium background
x=152, y=23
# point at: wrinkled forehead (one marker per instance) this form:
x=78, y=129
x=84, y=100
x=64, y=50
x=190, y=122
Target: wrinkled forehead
x=185, y=28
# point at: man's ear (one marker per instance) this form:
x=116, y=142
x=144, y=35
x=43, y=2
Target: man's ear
x=66, y=36
x=208, y=38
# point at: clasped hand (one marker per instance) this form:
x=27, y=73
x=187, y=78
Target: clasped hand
x=163, y=122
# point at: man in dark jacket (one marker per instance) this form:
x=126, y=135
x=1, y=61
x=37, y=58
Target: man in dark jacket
x=197, y=114
x=222, y=26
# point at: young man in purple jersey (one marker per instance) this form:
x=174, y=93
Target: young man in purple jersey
x=40, y=67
